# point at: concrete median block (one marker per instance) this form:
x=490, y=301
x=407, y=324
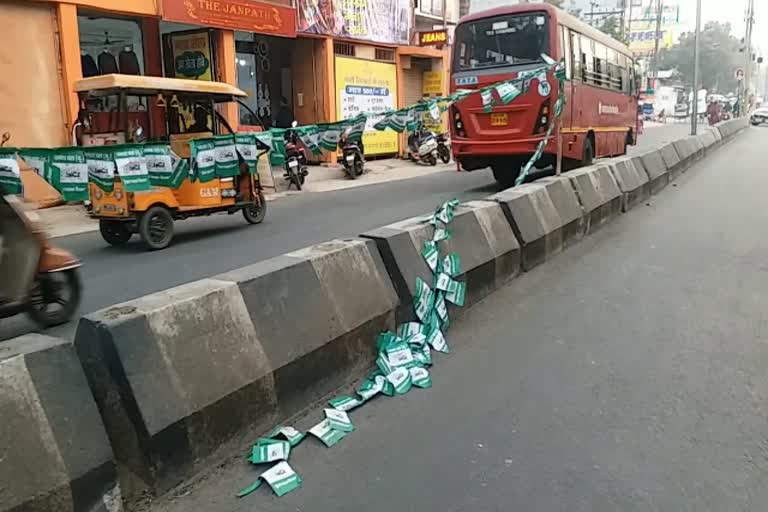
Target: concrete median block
x=315, y=312
x=672, y=160
x=633, y=182
x=481, y=236
x=536, y=222
x=655, y=168
x=598, y=193
x=566, y=202
x=54, y=453
x=707, y=139
x=175, y=375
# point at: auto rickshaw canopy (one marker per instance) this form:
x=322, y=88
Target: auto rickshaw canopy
x=132, y=85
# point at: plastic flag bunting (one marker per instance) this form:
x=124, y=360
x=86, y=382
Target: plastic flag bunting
x=10, y=173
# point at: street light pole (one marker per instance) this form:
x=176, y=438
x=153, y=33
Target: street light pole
x=695, y=116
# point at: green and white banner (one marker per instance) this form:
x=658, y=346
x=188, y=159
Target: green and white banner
x=69, y=173
x=203, y=159
x=132, y=167
x=227, y=163
x=101, y=167
x=10, y=174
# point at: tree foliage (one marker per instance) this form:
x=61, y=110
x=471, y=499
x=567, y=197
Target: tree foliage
x=719, y=57
x=612, y=26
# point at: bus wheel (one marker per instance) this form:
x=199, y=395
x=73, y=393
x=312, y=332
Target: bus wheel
x=156, y=228
x=506, y=171
x=588, y=153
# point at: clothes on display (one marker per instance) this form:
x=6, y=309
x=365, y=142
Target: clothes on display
x=129, y=62
x=107, y=63
x=88, y=65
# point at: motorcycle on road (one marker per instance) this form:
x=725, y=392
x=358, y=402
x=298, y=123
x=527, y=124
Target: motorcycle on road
x=35, y=277
x=422, y=146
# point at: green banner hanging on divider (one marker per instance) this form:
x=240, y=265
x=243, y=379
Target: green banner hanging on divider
x=37, y=160
x=165, y=169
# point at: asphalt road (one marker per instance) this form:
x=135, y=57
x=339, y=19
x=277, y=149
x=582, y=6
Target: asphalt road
x=627, y=374
x=208, y=246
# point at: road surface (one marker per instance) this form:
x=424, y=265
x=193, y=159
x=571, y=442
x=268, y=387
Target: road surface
x=627, y=374
x=208, y=246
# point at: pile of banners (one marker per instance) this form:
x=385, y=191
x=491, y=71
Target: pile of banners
x=403, y=362
x=142, y=166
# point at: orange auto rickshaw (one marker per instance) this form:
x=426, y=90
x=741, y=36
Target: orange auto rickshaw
x=120, y=109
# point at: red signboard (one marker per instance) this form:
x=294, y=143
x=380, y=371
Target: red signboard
x=245, y=15
x=433, y=37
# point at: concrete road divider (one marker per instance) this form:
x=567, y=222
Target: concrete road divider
x=545, y=216
x=180, y=373
x=708, y=138
x=730, y=128
x=315, y=312
x=481, y=236
x=598, y=193
x=689, y=149
x=54, y=453
x=655, y=168
x=675, y=165
x=633, y=182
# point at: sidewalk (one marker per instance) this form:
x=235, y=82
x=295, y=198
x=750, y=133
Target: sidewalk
x=67, y=220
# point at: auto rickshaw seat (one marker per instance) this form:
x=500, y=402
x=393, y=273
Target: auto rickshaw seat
x=180, y=142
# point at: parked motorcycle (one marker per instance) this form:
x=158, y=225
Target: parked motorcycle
x=352, y=157
x=296, y=170
x=35, y=277
x=422, y=146
x=443, y=147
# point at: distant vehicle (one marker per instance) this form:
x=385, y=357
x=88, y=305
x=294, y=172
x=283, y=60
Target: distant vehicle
x=600, y=115
x=759, y=116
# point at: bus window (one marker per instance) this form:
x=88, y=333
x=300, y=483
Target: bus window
x=587, y=60
x=576, y=54
x=599, y=66
x=565, y=51
x=501, y=41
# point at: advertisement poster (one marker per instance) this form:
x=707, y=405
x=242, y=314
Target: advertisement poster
x=191, y=54
x=382, y=21
x=367, y=86
x=433, y=87
x=642, y=37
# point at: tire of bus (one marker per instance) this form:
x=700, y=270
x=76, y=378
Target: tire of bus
x=156, y=228
x=588, y=153
x=506, y=171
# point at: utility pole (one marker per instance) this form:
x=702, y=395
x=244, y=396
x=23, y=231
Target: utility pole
x=748, y=52
x=655, y=67
x=695, y=115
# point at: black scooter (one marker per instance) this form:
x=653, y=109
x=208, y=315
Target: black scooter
x=443, y=147
x=352, y=157
x=296, y=170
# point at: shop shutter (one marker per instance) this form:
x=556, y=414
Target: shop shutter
x=30, y=93
x=413, y=83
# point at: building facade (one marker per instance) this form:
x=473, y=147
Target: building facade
x=327, y=59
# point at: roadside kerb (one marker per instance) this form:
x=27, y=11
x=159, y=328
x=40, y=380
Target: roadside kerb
x=55, y=454
x=633, y=182
x=481, y=236
x=655, y=168
x=598, y=193
x=183, y=377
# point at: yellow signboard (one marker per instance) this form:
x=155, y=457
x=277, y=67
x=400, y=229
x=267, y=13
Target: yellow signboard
x=642, y=37
x=433, y=83
x=192, y=55
x=367, y=86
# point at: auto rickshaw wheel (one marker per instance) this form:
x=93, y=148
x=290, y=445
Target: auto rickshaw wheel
x=156, y=228
x=255, y=214
x=115, y=232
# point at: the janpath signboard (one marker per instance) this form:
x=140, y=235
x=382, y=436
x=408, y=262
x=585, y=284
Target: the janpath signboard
x=245, y=15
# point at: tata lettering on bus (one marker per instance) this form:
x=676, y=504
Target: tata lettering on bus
x=600, y=117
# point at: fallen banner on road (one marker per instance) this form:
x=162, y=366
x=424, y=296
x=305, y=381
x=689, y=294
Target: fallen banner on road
x=403, y=361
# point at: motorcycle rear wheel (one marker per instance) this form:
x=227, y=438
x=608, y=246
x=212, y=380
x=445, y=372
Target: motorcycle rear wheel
x=48, y=292
x=445, y=154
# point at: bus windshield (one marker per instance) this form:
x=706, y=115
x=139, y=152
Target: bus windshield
x=501, y=41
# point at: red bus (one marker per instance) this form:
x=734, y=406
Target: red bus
x=600, y=115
